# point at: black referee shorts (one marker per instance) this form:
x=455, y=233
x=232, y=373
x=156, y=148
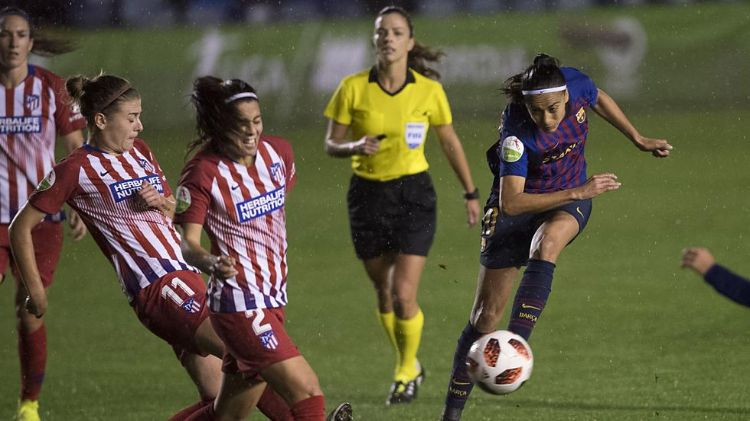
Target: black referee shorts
x=395, y=216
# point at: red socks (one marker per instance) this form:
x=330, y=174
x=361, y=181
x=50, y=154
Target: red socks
x=32, y=351
x=273, y=406
x=310, y=409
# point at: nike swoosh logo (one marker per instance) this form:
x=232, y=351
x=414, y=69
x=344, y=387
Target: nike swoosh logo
x=235, y=187
x=102, y=174
x=528, y=306
x=578, y=209
x=460, y=383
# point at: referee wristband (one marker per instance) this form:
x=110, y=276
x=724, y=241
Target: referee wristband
x=472, y=195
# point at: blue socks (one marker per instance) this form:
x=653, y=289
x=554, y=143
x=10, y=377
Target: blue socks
x=531, y=297
x=460, y=386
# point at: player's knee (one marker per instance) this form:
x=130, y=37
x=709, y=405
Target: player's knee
x=548, y=248
x=486, y=319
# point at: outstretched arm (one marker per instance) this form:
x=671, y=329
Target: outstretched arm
x=194, y=253
x=22, y=245
x=729, y=284
x=454, y=151
x=608, y=109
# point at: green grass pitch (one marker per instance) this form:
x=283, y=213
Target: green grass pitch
x=626, y=335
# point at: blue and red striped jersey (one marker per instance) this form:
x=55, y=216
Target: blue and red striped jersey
x=548, y=161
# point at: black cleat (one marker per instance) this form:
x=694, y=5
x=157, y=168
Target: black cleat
x=405, y=392
x=451, y=414
x=343, y=412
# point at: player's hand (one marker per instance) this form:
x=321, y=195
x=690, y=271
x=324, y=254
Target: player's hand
x=698, y=259
x=596, y=185
x=472, y=211
x=223, y=267
x=36, y=304
x=77, y=227
x=660, y=148
x=367, y=145
x=149, y=196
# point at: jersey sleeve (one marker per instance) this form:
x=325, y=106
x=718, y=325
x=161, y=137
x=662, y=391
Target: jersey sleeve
x=56, y=188
x=146, y=151
x=580, y=85
x=67, y=117
x=193, y=193
x=339, y=108
x=441, y=115
x=512, y=153
x=291, y=169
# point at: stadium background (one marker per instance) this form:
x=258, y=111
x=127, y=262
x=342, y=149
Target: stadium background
x=627, y=334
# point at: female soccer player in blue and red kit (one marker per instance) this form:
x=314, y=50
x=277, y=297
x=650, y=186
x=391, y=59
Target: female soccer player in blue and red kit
x=540, y=199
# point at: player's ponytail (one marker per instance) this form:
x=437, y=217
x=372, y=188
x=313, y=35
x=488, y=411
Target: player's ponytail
x=102, y=94
x=544, y=73
x=43, y=45
x=216, y=114
x=421, y=55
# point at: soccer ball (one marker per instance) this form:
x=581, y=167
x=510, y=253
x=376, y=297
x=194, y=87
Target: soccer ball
x=500, y=362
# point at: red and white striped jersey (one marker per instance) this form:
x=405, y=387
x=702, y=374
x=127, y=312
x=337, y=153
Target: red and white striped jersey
x=141, y=243
x=31, y=116
x=242, y=210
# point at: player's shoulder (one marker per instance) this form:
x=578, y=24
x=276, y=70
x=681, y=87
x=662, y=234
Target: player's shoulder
x=515, y=121
x=574, y=78
x=202, y=164
x=361, y=77
x=424, y=81
x=277, y=142
x=45, y=74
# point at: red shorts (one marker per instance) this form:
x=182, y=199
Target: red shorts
x=253, y=340
x=173, y=307
x=48, y=238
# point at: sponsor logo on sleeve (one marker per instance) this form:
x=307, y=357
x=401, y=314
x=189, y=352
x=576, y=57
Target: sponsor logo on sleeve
x=183, y=199
x=512, y=149
x=261, y=205
x=48, y=182
x=122, y=190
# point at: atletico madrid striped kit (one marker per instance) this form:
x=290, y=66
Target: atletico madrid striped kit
x=242, y=210
x=32, y=115
x=140, y=242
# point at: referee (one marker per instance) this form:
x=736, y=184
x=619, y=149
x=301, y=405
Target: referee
x=392, y=204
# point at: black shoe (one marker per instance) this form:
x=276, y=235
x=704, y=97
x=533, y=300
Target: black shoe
x=343, y=412
x=451, y=414
x=405, y=392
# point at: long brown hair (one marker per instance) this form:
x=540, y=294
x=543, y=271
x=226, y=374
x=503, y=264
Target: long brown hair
x=216, y=114
x=101, y=94
x=420, y=55
x=43, y=45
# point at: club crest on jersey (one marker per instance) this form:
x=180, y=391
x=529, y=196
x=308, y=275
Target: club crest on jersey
x=48, y=181
x=32, y=102
x=512, y=149
x=183, y=199
x=191, y=306
x=268, y=340
x=276, y=173
x=122, y=190
x=261, y=205
x=146, y=165
x=581, y=115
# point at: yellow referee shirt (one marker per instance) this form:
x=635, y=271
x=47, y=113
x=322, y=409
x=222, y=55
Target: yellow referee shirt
x=404, y=117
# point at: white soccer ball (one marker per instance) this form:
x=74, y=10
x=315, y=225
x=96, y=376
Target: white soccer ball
x=500, y=362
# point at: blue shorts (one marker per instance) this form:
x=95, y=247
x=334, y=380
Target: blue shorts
x=506, y=240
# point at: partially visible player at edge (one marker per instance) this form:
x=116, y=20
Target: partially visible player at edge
x=727, y=283
x=235, y=187
x=34, y=110
x=117, y=187
x=387, y=111
x=540, y=199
